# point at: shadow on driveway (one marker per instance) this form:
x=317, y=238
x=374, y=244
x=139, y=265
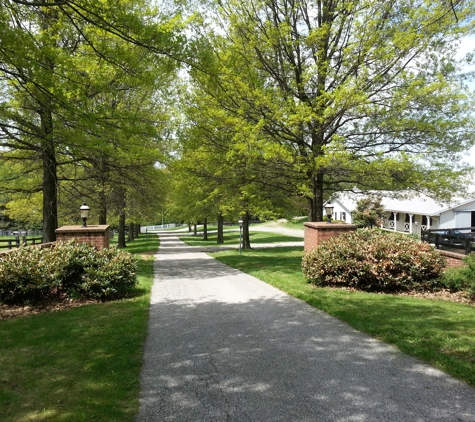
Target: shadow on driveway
x=224, y=346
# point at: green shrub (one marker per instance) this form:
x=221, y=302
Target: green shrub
x=111, y=276
x=26, y=275
x=461, y=278
x=374, y=260
x=31, y=274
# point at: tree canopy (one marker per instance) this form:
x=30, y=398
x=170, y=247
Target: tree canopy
x=279, y=100
x=336, y=94
x=82, y=98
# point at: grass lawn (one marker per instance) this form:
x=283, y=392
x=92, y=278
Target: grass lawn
x=232, y=238
x=295, y=223
x=78, y=364
x=439, y=332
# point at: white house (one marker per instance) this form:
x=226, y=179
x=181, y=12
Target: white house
x=412, y=215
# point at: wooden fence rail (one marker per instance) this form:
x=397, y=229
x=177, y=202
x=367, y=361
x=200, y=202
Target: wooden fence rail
x=19, y=241
x=462, y=239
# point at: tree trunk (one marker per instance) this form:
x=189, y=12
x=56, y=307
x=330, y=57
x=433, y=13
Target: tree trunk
x=205, y=229
x=50, y=181
x=130, y=237
x=101, y=169
x=315, y=203
x=121, y=237
x=220, y=239
x=137, y=230
x=246, y=243
x=102, y=207
x=48, y=153
x=189, y=228
x=195, y=229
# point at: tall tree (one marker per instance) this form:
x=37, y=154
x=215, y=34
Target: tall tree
x=348, y=92
x=67, y=83
x=214, y=180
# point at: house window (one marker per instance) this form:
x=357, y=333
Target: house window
x=397, y=216
x=343, y=216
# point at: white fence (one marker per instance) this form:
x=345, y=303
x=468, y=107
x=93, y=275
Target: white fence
x=145, y=229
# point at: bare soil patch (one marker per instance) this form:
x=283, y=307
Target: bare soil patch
x=50, y=305
x=460, y=297
x=61, y=303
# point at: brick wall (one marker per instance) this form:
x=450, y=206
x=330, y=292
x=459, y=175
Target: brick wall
x=453, y=259
x=99, y=236
x=316, y=233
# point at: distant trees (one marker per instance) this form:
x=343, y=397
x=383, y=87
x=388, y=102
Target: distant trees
x=215, y=181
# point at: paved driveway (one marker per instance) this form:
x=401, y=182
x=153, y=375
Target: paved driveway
x=224, y=346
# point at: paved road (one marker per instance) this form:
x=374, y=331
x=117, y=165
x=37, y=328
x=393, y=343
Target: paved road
x=277, y=228
x=224, y=346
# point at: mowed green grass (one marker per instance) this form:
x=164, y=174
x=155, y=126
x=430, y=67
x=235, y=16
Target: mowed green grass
x=78, y=364
x=232, y=238
x=296, y=223
x=439, y=332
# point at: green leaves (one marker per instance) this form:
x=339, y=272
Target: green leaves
x=358, y=94
x=32, y=274
x=369, y=212
x=376, y=261
x=80, y=82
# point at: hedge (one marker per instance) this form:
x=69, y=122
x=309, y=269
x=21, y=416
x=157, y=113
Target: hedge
x=374, y=260
x=31, y=274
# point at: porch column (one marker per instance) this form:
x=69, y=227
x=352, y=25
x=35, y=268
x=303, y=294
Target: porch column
x=410, y=223
x=395, y=222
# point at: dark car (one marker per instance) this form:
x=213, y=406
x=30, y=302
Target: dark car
x=454, y=232
x=454, y=237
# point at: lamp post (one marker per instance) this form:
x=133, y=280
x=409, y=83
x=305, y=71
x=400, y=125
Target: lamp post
x=329, y=212
x=240, y=235
x=84, y=213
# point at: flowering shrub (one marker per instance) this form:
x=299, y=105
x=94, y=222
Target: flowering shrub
x=31, y=274
x=374, y=260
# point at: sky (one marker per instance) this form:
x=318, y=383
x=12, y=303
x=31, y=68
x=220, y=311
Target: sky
x=467, y=46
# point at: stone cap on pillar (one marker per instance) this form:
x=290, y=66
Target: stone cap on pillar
x=82, y=230
x=317, y=233
x=322, y=225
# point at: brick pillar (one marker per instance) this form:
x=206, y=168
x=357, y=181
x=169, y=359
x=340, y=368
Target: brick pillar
x=316, y=233
x=99, y=236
